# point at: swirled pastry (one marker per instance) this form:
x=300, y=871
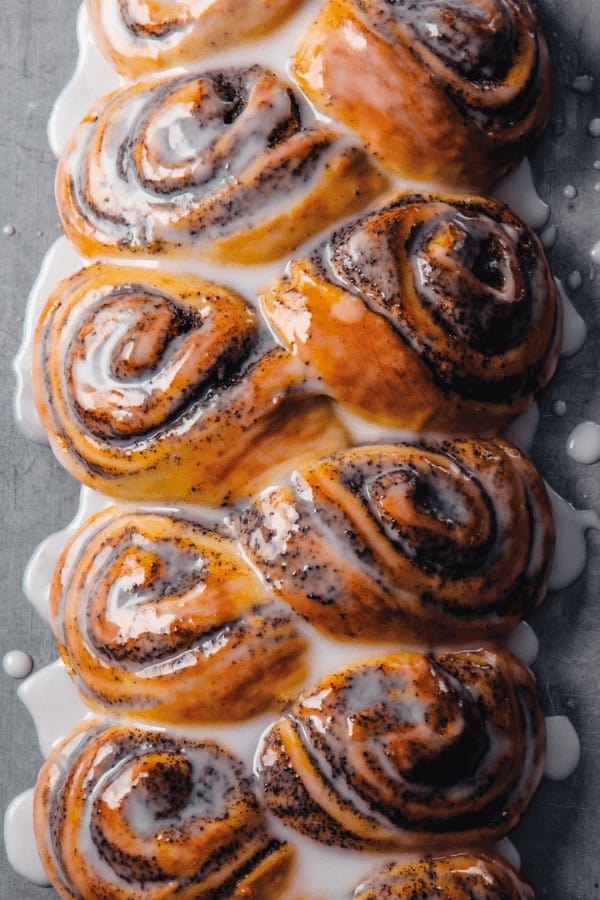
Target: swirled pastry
x=215, y=164
x=434, y=540
x=454, y=91
x=157, y=617
x=130, y=814
x=409, y=750
x=156, y=386
x=139, y=37
x=463, y=876
x=434, y=313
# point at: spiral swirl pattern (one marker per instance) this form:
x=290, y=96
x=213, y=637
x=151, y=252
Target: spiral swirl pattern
x=406, y=750
x=215, y=164
x=139, y=38
x=453, y=298
x=158, y=617
x=458, y=877
x=435, y=541
x=454, y=91
x=129, y=814
x=155, y=386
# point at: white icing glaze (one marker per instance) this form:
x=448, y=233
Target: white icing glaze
x=523, y=643
x=595, y=251
x=570, y=555
x=559, y=408
x=521, y=430
x=507, y=849
x=574, y=280
x=574, y=328
x=563, y=748
x=583, y=444
x=19, y=840
x=583, y=84
x=53, y=703
x=570, y=191
x=594, y=127
x=17, y=663
x=548, y=236
x=518, y=191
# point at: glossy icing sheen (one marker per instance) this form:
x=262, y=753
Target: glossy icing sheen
x=129, y=814
x=459, y=877
x=409, y=750
x=138, y=37
x=452, y=297
x=437, y=541
x=161, y=618
x=216, y=164
x=448, y=90
x=159, y=386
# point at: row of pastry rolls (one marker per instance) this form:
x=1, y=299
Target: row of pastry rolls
x=450, y=91
x=153, y=386
x=165, y=388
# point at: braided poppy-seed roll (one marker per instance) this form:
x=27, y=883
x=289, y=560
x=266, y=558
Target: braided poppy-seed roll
x=154, y=386
x=438, y=750
x=215, y=165
x=159, y=618
x=453, y=91
x=462, y=876
x=432, y=540
x=128, y=814
x=434, y=313
x=139, y=38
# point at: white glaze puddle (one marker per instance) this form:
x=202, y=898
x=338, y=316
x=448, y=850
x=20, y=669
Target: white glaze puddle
x=563, y=748
x=19, y=840
x=583, y=444
x=523, y=643
x=571, y=548
x=518, y=191
x=574, y=328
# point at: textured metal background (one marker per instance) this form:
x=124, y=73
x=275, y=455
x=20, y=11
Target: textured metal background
x=559, y=839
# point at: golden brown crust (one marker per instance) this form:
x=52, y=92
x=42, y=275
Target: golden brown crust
x=436, y=313
x=139, y=38
x=429, y=541
x=441, y=750
x=454, y=93
x=128, y=814
x=461, y=876
x=153, y=386
x=215, y=164
x=160, y=618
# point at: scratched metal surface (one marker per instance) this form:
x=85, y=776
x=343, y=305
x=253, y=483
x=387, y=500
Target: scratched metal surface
x=558, y=839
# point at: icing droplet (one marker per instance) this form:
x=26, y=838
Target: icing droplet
x=521, y=430
x=595, y=251
x=9, y=230
x=594, y=127
x=583, y=84
x=19, y=840
x=17, y=663
x=559, y=408
x=597, y=164
x=562, y=748
x=583, y=444
x=574, y=280
x=574, y=328
x=570, y=192
x=570, y=555
x=523, y=642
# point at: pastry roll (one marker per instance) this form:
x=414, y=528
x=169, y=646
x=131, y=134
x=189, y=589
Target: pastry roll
x=435, y=313
x=462, y=876
x=159, y=618
x=433, y=541
x=215, y=165
x=154, y=386
x=142, y=37
x=128, y=814
x=411, y=750
x=453, y=91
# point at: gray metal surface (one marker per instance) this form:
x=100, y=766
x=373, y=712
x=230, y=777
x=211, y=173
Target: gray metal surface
x=559, y=839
